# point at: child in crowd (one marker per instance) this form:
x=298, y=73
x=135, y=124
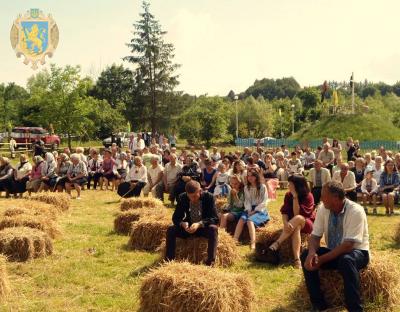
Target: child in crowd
x=369, y=189
x=235, y=204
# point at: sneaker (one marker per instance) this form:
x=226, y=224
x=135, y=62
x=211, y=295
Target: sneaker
x=78, y=197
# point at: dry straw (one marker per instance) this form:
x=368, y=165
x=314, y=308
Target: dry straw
x=379, y=283
x=269, y=234
x=220, y=203
x=148, y=233
x=123, y=220
x=141, y=202
x=37, y=222
x=4, y=283
x=24, y=243
x=60, y=200
x=182, y=287
x=194, y=250
x=30, y=207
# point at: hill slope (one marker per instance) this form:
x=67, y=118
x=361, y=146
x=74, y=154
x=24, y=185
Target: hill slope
x=361, y=127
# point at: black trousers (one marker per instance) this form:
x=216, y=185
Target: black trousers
x=95, y=177
x=348, y=266
x=210, y=232
x=352, y=196
x=316, y=191
x=135, y=192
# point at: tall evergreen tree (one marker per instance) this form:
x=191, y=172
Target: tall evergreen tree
x=155, y=70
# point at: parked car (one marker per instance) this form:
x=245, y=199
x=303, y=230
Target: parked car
x=28, y=135
x=124, y=136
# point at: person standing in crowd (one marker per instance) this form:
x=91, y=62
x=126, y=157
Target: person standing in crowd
x=255, y=207
x=388, y=183
x=155, y=177
x=351, y=149
x=344, y=225
x=76, y=176
x=358, y=171
x=170, y=176
x=137, y=177
x=318, y=176
x=195, y=215
x=38, y=148
x=348, y=180
x=327, y=157
x=21, y=175
x=337, y=149
x=298, y=216
x=13, y=147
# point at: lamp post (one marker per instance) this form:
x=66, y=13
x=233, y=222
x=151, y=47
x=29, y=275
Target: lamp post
x=293, y=118
x=237, y=117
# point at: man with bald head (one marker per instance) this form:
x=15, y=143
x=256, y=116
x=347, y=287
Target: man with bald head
x=344, y=225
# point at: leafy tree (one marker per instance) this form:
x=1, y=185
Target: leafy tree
x=155, y=76
x=12, y=97
x=274, y=89
x=206, y=121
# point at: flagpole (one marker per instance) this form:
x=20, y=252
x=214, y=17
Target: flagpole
x=352, y=94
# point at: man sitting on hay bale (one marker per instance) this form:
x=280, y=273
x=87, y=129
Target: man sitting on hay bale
x=195, y=215
x=344, y=226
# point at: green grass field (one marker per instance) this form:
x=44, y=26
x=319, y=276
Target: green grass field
x=91, y=270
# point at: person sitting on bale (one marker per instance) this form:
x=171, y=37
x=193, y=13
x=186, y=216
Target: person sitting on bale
x=344, y=225
x=195, y=215
x=235, y=205
x=255, y=212
x=298, y=215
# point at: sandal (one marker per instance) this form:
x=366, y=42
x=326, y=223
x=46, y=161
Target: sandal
x=275, y=246
x=297, y=263
x=253, y=245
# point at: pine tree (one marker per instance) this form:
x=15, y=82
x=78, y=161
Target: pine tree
x=155, y=70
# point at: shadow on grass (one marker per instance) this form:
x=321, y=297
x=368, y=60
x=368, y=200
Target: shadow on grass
x=146, y=268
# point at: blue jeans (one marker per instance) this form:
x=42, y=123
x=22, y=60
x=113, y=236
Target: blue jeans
x=348, y=266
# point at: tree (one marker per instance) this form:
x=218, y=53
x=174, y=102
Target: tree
x=155, y=76
x=206, y=121
x=115, y=85
x=60, y=97
x=12, y=97
x=274, y=89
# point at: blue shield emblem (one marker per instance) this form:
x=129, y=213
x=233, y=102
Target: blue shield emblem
x=35, y=36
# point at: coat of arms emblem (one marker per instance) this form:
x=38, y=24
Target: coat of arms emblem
x=34, y=36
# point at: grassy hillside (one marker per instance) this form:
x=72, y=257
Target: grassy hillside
x=369, y=126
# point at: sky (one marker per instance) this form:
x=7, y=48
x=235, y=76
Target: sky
x=224, y=45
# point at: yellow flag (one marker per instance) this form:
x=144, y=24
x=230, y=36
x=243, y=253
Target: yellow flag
x=280, y=112
x=335, y=98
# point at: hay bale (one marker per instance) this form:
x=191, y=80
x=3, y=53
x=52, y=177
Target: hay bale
x=220, y=203
x=396, y=236
x=181, y=287
x=148, y=233
x=60, y=200
x=4, y=283
x=141, y=202
x=379, y=283
x=123, y=220
x=36, y=222
x=194, y=250
x=31, y=208
x=267, y=235
x=24, y=243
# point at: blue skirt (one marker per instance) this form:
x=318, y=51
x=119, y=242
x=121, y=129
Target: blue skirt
x=259, y=218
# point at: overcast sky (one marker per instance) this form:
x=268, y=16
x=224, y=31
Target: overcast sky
x=225, y=44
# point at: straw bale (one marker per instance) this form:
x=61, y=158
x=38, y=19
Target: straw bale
x=60, y=200
x=24, y=243
x=182, y=287
x=141, y=202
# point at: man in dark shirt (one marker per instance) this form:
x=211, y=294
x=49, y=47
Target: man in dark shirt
x=195, y=215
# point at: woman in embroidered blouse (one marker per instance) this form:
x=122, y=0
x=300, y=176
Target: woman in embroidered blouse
x=6, y=176
x=63, y=164
x=388, y=182
x=49, y=176
x=255, y=207
x=137, y=177
x=35, y=179
x=107, y=170
x=298, y=215
x=77, y=175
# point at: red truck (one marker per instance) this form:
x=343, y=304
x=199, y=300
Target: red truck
x=28, y=135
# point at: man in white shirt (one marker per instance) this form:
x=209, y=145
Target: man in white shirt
x=378, y=168
x=344, y=225
x=138, y=144
x=318, y=176
x=348, y=179
x=155, y=176
x=308, y=159
x=170, y=176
